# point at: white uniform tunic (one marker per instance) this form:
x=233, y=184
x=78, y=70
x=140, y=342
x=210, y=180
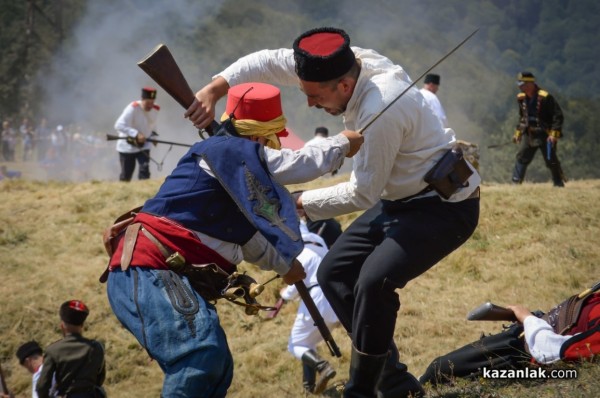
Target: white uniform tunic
x=435, y=104
x=305, y=335
x=132, y=121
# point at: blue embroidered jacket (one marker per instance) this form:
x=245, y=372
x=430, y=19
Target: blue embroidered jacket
x=243, y=198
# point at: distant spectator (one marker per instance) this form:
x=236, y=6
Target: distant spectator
x=9, y=141
x=42, y=139
x=25, y=126
x=28, y=144
x=429, y=91
x=58, y=142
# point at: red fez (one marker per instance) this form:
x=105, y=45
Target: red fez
x=255, y=101
x=323, y=54
x=74, y=312
x=148, y=93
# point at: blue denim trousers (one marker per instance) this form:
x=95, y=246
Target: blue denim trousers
x=191, y=349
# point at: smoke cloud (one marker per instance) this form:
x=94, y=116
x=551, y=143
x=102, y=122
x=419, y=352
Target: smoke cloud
x=96, y=74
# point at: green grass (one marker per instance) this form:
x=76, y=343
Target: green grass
x=534, y=245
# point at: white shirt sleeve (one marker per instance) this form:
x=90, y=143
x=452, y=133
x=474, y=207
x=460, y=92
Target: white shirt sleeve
x=266, y=66
x=124, y=123
x=309, y=162
x=544, y=344
x=259, y=251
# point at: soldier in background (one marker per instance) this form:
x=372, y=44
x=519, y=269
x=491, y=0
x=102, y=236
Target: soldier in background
x=30, y=357
x=137, y=123
x=320, y=133
x=429, y=91
x=77, y=363
x=540, y=126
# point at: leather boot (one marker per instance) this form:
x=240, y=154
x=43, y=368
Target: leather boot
x=557, y=178
x=311, y=359
x=396, y=381
x=519, y=172
x=309, y=376
x=365, y=371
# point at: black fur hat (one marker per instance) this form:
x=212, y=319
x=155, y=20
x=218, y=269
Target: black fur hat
x=323, y=54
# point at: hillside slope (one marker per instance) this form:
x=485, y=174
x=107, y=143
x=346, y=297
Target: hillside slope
x=534, y=245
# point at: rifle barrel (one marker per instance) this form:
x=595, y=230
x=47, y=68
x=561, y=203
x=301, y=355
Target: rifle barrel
x=318, y=319
x=112, y=137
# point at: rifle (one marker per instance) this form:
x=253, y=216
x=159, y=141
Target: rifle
x=3, y=387
x=112, y=137
x=319, y=321
x=160, y=65
x=162, y=68
x=499, y=145
x=491, y=312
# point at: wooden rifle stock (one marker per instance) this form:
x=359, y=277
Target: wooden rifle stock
x=491, y=312
x=160, y=65
x=318, y=319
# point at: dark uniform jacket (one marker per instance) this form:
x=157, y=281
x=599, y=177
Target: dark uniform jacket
x=76, y=362
x=540, y=112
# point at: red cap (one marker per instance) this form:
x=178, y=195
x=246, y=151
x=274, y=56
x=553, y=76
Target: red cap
x=323, y=54
x=255, y=101
x=73, y=312
x=148, y=93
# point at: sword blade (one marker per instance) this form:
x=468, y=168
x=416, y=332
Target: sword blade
x=416, y=81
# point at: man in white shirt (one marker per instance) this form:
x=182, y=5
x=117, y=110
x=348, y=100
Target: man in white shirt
x=407, y=227
x=431, y=85
x=569, y=332
x=136, y=124
x=30, y=356
x=305, y=335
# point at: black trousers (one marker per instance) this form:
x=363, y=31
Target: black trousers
x=128, y=161
x=505, y=350
x=381, y=251
x=527, y=150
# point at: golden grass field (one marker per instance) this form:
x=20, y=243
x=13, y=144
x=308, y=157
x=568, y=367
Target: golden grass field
x=534, y=245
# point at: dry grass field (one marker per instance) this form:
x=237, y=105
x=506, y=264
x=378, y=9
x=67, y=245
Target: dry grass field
x=534, y=245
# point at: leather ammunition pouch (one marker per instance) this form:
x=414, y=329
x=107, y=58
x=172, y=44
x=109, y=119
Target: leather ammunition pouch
x=208, y=280
x=449, y=174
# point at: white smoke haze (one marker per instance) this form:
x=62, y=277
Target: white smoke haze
x=98, y=76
